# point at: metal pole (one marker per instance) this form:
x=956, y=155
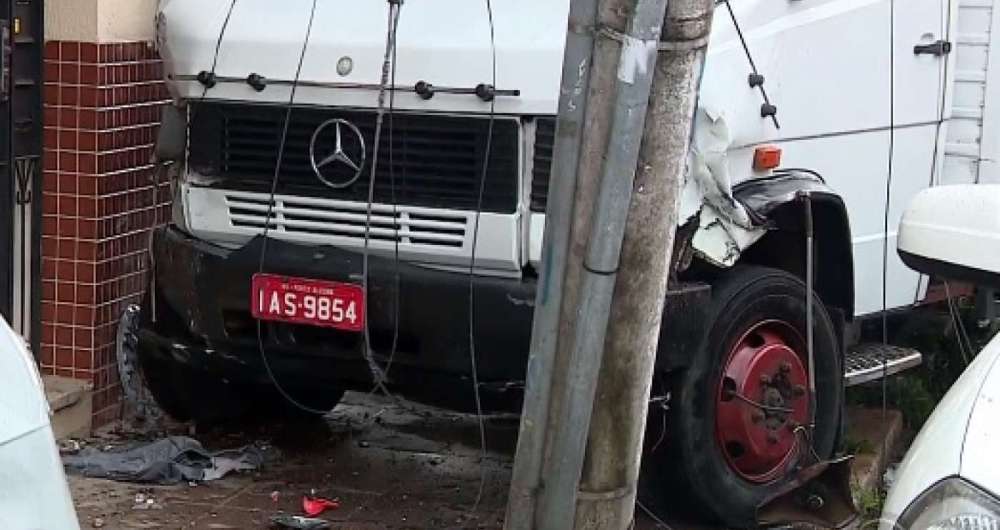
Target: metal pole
x=608, y=485
x=577, y=62
x=810, y=316
x=557, y=501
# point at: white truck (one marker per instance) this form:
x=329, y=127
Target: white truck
x=816, y=96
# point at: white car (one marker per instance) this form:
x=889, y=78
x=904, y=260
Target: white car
x=950, y=478
x=34, y=494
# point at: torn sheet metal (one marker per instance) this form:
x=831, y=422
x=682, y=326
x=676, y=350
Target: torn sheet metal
x=726, y=228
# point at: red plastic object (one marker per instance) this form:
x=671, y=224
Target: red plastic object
x=314, y=506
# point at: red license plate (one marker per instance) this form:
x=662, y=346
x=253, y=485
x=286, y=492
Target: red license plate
x=304, y=301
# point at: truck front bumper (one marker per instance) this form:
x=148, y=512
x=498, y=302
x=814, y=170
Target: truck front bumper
x=198, y=314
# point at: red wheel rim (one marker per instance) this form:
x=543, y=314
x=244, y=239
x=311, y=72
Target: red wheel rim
x=766, y=366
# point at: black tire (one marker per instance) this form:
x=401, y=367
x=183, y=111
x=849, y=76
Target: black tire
x=169, y=388
x=696, y=463
x=189, y=395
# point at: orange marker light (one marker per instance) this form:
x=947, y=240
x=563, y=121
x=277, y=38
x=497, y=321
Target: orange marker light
x=766, y=157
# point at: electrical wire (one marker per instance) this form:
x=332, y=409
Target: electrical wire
x=885, y=218
x=270, y=212
x=472, y=261
x=753, y=65
x=156, y=175
x=939, y=122
x=759, y=405
x=387, y=86
x=659, y=522
x=378, y=374
x=392, y=198
x=215, y=55
x=960, y=332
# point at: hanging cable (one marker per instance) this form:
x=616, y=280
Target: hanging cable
x=938, y=124
x=207, y=78
x=885, y=218
x=378, y=374
x=392, y=198
x=162, y=167
x=472, y=260
x=753, y=65
x=660, y=523
x=270, y=212
x=965, y=347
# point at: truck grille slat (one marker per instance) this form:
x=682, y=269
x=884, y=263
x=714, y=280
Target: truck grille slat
x=545, y=136
x=305, y=216
x=436, y=161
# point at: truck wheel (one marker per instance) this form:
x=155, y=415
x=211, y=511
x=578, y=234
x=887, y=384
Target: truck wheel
x=169, y=389
x=187, y=394
x=736, y=425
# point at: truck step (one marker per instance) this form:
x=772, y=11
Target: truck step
x=864, y=362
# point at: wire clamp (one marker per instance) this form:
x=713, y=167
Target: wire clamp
x=682, y=45
x=607, y=495
x=661, y=46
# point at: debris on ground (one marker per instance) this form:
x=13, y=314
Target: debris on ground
x=170, y=460
x=70, y=446
x=144, y=501
x=313, y=506
x=297, y=522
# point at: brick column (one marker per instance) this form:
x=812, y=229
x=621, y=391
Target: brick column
x=102, y=106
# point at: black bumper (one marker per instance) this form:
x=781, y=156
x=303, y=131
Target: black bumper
x=198, y=315
x=201, y=306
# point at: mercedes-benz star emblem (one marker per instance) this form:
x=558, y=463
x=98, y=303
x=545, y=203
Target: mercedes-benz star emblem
x=341, y=166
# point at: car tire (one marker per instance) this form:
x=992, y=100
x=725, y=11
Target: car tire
x=725, y=453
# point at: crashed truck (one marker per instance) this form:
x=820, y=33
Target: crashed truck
x=256, y=279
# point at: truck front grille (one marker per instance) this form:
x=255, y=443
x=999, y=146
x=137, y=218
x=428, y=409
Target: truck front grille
x=423, y=160
x=306, y=216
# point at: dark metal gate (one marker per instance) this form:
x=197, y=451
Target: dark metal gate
x=20, y=163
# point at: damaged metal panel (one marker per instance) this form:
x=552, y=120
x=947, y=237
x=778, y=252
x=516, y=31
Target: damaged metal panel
x=726, y=227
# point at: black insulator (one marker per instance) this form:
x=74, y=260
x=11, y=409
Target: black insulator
x=257, y=81
x=206, y=78
x=486, y=92
x=424, y=89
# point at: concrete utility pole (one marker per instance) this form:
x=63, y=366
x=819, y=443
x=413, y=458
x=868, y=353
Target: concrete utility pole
x=614, y=447
x=607, y=74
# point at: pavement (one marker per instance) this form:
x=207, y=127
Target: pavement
x=390, y=464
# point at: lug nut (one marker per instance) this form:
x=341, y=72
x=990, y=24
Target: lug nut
x=757, y=417
x=786, y=367
x=815, y=502
x=798, y=390
x=765, y=379
x=772, y=437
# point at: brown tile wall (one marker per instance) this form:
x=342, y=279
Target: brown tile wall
x=102, y=107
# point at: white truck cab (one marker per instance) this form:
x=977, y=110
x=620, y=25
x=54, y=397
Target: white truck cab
x=258, y=277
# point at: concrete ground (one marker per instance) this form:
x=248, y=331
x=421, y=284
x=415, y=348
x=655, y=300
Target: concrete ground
x=390, y=466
